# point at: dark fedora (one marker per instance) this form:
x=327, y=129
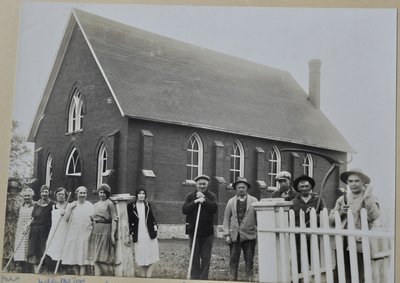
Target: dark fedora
x=241, y=180
x=205, y=177
x=345, y=175
x=303, y=178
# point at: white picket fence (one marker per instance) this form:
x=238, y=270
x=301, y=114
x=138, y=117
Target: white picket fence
x=327, y=249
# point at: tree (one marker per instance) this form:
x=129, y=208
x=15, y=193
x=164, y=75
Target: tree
x=21, y=159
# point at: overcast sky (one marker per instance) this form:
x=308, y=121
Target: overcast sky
x=357, y=48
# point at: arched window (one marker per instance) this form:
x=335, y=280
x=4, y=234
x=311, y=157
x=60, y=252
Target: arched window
x=73, y=164
x=308, y=165
x=237, y=162
x=75, y=113
x=194, y=160
x=275, y=166
x=102, y=170
x=49, y=170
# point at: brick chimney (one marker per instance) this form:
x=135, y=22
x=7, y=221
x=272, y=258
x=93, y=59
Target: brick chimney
x=314, y=82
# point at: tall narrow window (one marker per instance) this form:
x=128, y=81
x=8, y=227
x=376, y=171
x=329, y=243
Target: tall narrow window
x=102, y=170
x=237, y=162
x=73, y=164
x=275, y=166
x=194, y=160
x=75, y=114
x=49, y=170
x=308, y=165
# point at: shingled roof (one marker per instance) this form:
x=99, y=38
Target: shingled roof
x=156, y=78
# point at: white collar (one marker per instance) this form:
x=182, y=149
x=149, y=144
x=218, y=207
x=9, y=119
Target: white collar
x=306, y=199
x=242, y=198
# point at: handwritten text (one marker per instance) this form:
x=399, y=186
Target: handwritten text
x=9, y=278
x=61, y=280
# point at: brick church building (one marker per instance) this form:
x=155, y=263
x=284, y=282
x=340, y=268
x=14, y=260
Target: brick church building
x=135, y=109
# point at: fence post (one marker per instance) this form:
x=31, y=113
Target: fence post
x=268, y=247
x=124, y=266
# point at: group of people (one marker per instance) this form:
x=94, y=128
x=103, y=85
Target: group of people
x=358, y=196
x=240, y=222
x=83, y=234
x=56, y=234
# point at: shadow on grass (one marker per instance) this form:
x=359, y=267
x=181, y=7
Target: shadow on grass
x=174, y=261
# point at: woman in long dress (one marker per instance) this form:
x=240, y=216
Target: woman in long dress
x=58, y=229
x=40, y=227
x=23, y=228
x=79, y=215
x=143, y=228
x=102, y=240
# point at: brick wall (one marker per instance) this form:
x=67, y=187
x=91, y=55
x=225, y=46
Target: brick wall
x=169, y=160
x=101, y=119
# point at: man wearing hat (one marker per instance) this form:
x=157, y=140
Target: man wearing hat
x=205, y=230
x=305, y=201
x=285, y=190
x=359, y=196
x=240, y=229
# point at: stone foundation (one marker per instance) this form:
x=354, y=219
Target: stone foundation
x=177, y=231
x=171, y=231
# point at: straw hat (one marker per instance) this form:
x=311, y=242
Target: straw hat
x=364, y=178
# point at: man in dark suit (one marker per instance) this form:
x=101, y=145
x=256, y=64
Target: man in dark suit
x=205, y=230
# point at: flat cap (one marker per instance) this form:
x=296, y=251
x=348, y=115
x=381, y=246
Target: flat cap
x=205, y=177
x=283, y=175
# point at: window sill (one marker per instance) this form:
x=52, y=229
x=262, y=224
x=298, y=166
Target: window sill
x=75, y=132
x=271, y=189
x=76, y=176
x=189, y=183
x=108, y=173
x=261, y=184
x=148, y=173
x=230, y=187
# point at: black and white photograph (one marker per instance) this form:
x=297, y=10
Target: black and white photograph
x=194, y=142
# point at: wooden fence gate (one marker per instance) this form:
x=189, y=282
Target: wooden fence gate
x=316, y=252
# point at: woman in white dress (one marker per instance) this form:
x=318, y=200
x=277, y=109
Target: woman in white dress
x=58, y=229
x=23, y=229
x=79, y=215
x=143, y=228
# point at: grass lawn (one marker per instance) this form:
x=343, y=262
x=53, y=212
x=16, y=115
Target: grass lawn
x=174, y=261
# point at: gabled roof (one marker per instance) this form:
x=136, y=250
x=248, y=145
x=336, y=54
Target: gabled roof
x=156, y=78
